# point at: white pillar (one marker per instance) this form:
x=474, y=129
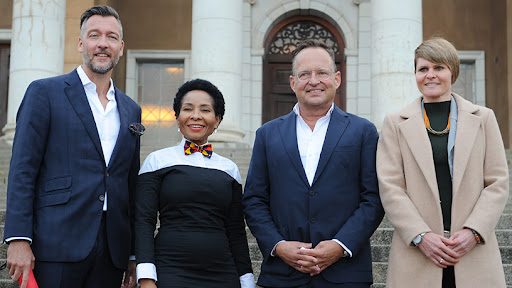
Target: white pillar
x=396, y=32
x=217, y=57
x=37, y=49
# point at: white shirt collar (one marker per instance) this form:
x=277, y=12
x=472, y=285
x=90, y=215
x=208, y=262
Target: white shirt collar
x=296, y=109
x=182, y=143
x=111, y=94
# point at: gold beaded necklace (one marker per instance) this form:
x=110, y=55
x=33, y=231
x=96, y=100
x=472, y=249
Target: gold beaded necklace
x=432, y=131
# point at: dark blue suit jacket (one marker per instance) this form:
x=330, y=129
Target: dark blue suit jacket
x=58, y=174
x=342, y=203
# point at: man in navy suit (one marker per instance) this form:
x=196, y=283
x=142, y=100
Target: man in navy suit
x=311, y=197
x=73, y=169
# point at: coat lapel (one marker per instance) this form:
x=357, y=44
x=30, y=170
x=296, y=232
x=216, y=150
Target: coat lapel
x=419, y=143
x=76, y=96
x=337, y=125
x=288, y=132
x=123, y=127
x=468, y=125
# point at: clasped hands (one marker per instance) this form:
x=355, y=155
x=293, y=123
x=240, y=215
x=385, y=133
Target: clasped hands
x=302, y=257
x=444, y=252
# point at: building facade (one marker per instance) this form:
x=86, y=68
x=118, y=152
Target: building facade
x=244, y=46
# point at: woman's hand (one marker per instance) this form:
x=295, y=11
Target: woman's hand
x=147, y=283
x=439, y=249
x=464, y=241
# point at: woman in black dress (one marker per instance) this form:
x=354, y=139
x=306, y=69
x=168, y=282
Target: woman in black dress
x=201, y=241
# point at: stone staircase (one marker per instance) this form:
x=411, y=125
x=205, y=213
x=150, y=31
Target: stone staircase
x=240, y=154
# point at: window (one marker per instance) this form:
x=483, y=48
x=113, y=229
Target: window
x=153, y=78
x=471, y=81
x=157, y=85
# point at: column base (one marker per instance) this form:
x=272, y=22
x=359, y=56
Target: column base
x=227, y=136
x=9, y=130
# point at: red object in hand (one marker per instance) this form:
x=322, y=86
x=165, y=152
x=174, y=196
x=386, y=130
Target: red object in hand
x=31, y=280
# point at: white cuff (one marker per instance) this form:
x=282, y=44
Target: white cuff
x=247, y=281
x=272, y=253
x=344, y=247
x=18, y=238
x=146, y=271
x=132, y=258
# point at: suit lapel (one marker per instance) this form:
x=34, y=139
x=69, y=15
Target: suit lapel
x=468, y=125
x=337, y=125
x=123, y=127
x=288, y=133
x=419, y=143
x=76, y=96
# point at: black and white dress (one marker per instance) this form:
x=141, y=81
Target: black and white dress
x=201, y=241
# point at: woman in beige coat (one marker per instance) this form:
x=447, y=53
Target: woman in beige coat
x=443, y=182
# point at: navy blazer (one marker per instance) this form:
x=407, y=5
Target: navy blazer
x=342, y=203
x=58, y=176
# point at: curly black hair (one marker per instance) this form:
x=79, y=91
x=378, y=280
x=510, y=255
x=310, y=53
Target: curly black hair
x=203, y=85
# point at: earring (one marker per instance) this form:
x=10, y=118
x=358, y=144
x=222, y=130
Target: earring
x=178, y=129
x=215, y=131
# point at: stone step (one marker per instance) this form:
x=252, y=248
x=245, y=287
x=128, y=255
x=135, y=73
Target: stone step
x=8, y=283
x=508, y=274
x=379, y=270
x=4, y=275
x=505, y=221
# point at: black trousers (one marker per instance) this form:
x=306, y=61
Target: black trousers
x=95, y=271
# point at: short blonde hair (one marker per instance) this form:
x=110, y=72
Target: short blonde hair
x=439, y=50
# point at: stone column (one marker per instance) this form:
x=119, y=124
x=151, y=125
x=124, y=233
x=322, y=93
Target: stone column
x=396, y=32
x=217, y=57
x=37, y=49
x=509, y=68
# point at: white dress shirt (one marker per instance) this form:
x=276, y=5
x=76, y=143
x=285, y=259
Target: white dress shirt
x=107, y=120
x=310, y=142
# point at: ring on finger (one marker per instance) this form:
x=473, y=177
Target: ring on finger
x=441, y=261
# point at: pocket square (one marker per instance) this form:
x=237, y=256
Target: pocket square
x=137, y=129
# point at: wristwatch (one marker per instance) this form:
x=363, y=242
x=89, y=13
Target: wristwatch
x=345, y=253
x=417, y=240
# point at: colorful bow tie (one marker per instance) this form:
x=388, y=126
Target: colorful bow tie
x=190, y=148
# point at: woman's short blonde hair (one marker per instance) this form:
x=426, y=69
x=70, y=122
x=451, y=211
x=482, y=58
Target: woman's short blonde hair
x=439, y=50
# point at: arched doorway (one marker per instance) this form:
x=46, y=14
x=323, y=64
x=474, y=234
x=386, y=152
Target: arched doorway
x=278, y=98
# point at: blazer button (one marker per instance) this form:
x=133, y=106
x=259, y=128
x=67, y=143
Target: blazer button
x=102, y=198
x=312, y=220
x=106, y=174
x=311, y=193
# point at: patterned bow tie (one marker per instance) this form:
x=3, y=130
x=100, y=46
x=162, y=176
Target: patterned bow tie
x=190, y=148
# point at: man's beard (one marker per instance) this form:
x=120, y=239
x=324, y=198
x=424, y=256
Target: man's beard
x=100, y=69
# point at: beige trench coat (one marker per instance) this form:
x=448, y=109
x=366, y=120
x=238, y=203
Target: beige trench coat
x=409, y=194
